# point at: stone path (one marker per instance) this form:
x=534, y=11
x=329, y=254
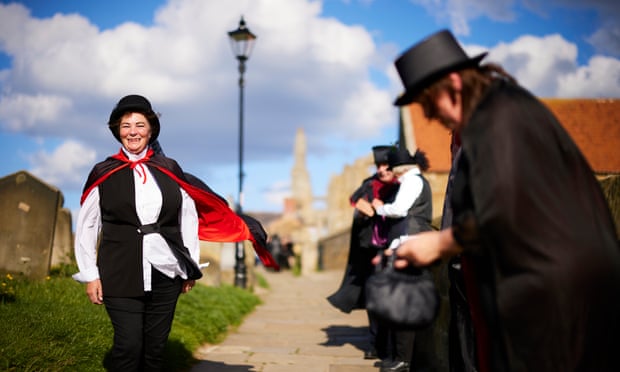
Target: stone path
x=294, y=330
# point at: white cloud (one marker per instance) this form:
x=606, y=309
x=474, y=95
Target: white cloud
x=607, y=39
x=536, y=62
x=600, y=78
x=364, y=109
x=548, y=67
x=64, y=167
x=458, y=13
x=31, y=113
x=306, y=71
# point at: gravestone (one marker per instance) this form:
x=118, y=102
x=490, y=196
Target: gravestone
x=27, y=224
x=62, y=248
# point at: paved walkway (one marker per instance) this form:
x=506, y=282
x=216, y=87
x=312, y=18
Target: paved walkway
x=294, y=330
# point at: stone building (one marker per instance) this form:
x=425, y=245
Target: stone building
x=300, y=223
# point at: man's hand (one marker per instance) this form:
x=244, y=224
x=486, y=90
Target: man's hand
x=364, y=206
x=425, y=248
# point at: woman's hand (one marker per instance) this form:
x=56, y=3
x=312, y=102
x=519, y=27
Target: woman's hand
x=95, y=292
x=188, y=285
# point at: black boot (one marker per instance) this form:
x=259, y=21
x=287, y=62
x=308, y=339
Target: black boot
x=395, y=366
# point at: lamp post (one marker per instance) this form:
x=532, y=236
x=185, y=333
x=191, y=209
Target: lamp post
x=241, y=42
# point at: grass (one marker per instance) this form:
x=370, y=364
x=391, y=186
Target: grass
x=51, y=326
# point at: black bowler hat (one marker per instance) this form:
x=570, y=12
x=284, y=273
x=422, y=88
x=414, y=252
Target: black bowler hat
x=134, y=103
x=429, y=60
x=380, y=154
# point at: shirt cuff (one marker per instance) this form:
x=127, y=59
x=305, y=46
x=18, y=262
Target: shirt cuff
x=86, y=276
x=380, y=210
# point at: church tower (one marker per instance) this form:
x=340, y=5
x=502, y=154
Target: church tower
x=301, y=187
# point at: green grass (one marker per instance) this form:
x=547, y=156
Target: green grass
x=261, y=282
x=51, y=326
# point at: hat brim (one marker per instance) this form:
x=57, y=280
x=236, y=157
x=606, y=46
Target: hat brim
x=118, y=112
x=412, y=91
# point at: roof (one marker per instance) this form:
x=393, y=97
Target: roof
x=594, y=125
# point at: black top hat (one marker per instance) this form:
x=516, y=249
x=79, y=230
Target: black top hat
x=429, y=60
x=380, y=154
x=400, y=156
x=134, y=103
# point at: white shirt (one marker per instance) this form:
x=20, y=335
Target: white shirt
x=410, y=189
x=156, y=251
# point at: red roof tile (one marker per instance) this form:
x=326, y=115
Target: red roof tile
x=594, y=125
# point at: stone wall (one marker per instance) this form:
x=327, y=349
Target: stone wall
x=611, y=189
x=221, y=258
x=334, y=250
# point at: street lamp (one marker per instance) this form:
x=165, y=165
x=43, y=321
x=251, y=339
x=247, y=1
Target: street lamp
x=241, y=42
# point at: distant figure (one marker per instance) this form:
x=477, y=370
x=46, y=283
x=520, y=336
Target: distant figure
x=279, y=251
x=410, y=212
x=539, y=252
x=368, y=236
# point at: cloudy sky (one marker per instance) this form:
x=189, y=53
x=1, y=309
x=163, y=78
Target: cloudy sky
x=324, y=66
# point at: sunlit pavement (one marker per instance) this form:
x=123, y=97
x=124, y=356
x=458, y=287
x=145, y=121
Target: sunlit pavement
x=294, y=330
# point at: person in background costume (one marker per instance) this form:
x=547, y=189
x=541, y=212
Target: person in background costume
x=137, y=236
x=539, y=251
x=410, y=212
x=368, y=236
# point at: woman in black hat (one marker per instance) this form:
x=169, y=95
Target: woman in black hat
x=137, y=237
x=539, y=251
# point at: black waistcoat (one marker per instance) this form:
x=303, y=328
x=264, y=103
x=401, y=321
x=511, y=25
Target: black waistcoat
x=120, y=250
x=418, y=217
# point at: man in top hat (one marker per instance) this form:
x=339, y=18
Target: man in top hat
x=410, y=212
x=539, y=249
x=368, y=236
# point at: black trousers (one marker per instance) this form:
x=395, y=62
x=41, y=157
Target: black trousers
x=142, y=325
x=402, y=342
x=378, y=336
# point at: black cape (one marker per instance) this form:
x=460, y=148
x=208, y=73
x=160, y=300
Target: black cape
x=216, y=221
x=545, y=259
x=350, y=295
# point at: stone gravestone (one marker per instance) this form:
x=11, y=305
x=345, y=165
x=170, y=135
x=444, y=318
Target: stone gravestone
x=62, y=248
x=27, y=224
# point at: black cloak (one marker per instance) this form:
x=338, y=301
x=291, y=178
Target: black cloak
x=541, y=258
x=350, y=295
x=216, y=221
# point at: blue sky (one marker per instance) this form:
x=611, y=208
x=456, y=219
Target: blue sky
x=324, y=66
